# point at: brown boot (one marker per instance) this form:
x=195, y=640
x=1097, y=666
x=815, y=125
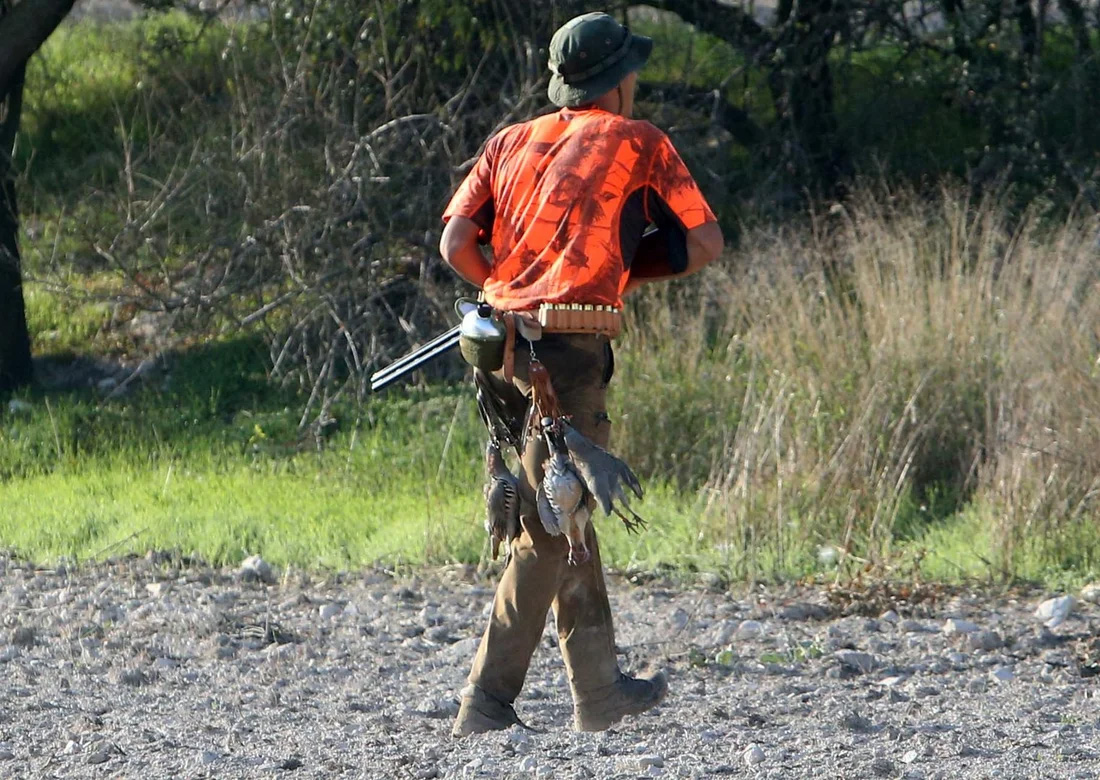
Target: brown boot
x=480, y=712
x=600, y=710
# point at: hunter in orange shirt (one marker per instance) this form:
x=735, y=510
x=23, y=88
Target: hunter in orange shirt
x=564, y=200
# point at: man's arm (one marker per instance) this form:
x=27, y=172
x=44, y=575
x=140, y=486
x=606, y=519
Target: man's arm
x=459, y=248
x=704, y=245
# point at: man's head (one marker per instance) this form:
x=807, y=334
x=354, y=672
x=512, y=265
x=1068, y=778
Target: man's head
x=593, y=55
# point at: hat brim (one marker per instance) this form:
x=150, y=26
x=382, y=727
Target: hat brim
x=568, y=95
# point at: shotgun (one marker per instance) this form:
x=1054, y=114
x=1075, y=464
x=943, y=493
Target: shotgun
x=440, y=345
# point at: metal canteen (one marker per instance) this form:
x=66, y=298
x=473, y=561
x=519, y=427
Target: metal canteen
x=481, y=338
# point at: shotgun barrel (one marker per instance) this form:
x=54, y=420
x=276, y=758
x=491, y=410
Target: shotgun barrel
x=440, y=345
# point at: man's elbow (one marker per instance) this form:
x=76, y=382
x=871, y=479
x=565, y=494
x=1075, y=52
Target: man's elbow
x=705, y=244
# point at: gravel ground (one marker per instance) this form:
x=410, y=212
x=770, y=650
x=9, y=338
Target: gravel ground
x=139, y=668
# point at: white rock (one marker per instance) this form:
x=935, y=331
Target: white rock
x=351, y=610
x=645, y=762
x=889, y=616
x=255, y=568
x=753, y=755
x=208, y=757
x=71, y=748
x=329, y=611
x=827, y=555
x=958, y=626
x=18, y=406
x=1053, y=612
x=710, y=735
x=909, y=757
x=750, y=629
x=1091, y=593
x=157, y=589
x=10, y=653
x=519, y=739
x=1002, y=673
x=528, y=764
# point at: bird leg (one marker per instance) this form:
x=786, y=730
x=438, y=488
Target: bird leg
x=634, y=524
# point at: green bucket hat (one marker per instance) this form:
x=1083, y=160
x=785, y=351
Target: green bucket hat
x=590, y=55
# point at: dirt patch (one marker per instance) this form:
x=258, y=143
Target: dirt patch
x=144, y=669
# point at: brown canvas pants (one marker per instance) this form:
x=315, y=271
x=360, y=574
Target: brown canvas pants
x=537, y=577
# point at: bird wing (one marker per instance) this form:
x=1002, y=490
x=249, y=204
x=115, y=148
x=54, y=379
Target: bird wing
x=601, y=471
x=502, y=426
x=546, y=512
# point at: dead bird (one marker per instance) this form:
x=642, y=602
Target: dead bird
x=604, y=476
x=561, y=495
x=501, y=500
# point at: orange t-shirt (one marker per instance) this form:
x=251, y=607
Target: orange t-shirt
x=564, y=200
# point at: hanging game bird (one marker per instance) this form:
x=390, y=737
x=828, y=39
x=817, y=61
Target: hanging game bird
x=561, y=496
x=501, y=500
x=604, y=475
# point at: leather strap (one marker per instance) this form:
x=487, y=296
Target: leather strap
x=509, y=346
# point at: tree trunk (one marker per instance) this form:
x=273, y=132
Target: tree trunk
x=16, y=368
x=802, y=89
x=23, y=29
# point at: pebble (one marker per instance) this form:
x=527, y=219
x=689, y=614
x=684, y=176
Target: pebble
x=749, y=629
x=1002, y=673
x=519, y=739
x=256, y=569
x=432, y=707
x=889, y=616
x=1091, y=593
x=526, y=764
x=208, y=757
x=23, y=636
x=1053, y=612
x=98, y=757
x=984, y=640
x=6, y=755
x=753, y=755
x=724, y=632
x=909, y=757
x=645, y=762
x=10, y=653
x=329, y=611
x=882, y=767
x=863, y=663
x=157, y=589
x=959, y=626
x=131, y=677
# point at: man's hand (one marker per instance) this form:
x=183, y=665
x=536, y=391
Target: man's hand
x=459, y=248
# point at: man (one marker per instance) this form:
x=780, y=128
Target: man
x=564, y=200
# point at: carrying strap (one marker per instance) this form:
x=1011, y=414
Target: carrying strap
x=526, y=326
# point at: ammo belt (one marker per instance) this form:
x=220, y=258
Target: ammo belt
x=580, y=318
x=595, y=319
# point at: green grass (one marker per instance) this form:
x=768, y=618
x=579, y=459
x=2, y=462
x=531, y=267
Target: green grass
x=911, y=382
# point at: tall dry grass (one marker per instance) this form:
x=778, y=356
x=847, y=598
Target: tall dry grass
x=894, y=366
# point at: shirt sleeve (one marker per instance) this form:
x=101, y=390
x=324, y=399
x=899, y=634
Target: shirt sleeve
x=474, y=197
x=672, y=183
